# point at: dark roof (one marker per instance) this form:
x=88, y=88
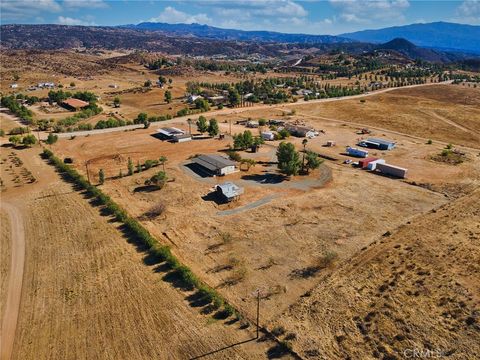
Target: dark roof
x=213, y=162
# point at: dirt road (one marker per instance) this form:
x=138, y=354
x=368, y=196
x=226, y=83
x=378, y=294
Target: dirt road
x=14, y=289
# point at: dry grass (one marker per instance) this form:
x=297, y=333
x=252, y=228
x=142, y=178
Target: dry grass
x=5, y=245
x=416, y=288
x=89, y=294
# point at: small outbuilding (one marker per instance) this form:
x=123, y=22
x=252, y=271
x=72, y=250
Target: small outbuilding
x=75, y=104
x=229, y=191
x=215, y=164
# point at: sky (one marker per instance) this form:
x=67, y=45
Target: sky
x=291, y=16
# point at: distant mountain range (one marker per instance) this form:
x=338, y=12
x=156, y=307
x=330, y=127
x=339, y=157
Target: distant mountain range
x=212, y=32
x=195, y=39
x=439, y=35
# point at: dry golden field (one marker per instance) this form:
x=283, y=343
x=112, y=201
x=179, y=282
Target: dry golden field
x=350, y=264
x=89, y=293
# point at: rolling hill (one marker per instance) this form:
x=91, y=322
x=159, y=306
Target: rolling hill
x=439, y=35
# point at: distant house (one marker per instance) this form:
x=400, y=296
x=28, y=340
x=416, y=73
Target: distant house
x=229, y=191
x=300, y=131
x=170, y=133
x=215, y=164
x=75, y=104
x=160, y=84
x=46, y=85
x=252, y=124
x=192, y=98
x=113, y=86
x=216, y=99
x=13, y=86
x=304, y=92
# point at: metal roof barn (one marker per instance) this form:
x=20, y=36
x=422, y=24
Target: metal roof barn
x=215, y=164
x=380, y=144
x=169, y=133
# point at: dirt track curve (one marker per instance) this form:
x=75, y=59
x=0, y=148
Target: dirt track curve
x=14, y=289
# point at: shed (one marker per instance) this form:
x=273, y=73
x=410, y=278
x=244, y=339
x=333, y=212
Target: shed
x=331, y=143
x=215, y=164
x=75, y=104
x=363, y=163
x=229, y=191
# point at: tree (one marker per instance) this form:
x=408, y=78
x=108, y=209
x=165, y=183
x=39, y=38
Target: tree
x=313, y=161
x=16, y=77
x=257, y=141
x=101, y=177
x=170, y=81
x=168, y=96
x=116, y=102
x=141, y=118
x=262, y=122
x=139, y=167
x=233, y=96
x=130, y=166
x=2, y=133
x=72, y=84
x=163, y=160
x=288, y=159
x=158, y=180
x=52, y=138
x=202, y=126
x=29, y=140
x=147, y=83
x=213, y=129
x=15, y=139
x=162, y=79
x=283, y=134
x=243, y=141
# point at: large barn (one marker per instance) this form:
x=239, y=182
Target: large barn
x=215, y=164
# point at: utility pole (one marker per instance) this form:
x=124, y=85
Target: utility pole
x=258, y=312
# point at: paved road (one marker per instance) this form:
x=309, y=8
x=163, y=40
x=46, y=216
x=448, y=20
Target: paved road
x=15, y=280
x=228, y=111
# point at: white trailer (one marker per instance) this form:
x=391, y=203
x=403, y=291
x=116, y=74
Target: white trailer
x=357, y=152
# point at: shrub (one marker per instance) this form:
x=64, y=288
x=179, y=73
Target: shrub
x=278, y=330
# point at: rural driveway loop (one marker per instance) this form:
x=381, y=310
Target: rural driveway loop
x=14, y=290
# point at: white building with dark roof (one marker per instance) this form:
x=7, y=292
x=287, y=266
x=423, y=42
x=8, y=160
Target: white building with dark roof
x=215, y=164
